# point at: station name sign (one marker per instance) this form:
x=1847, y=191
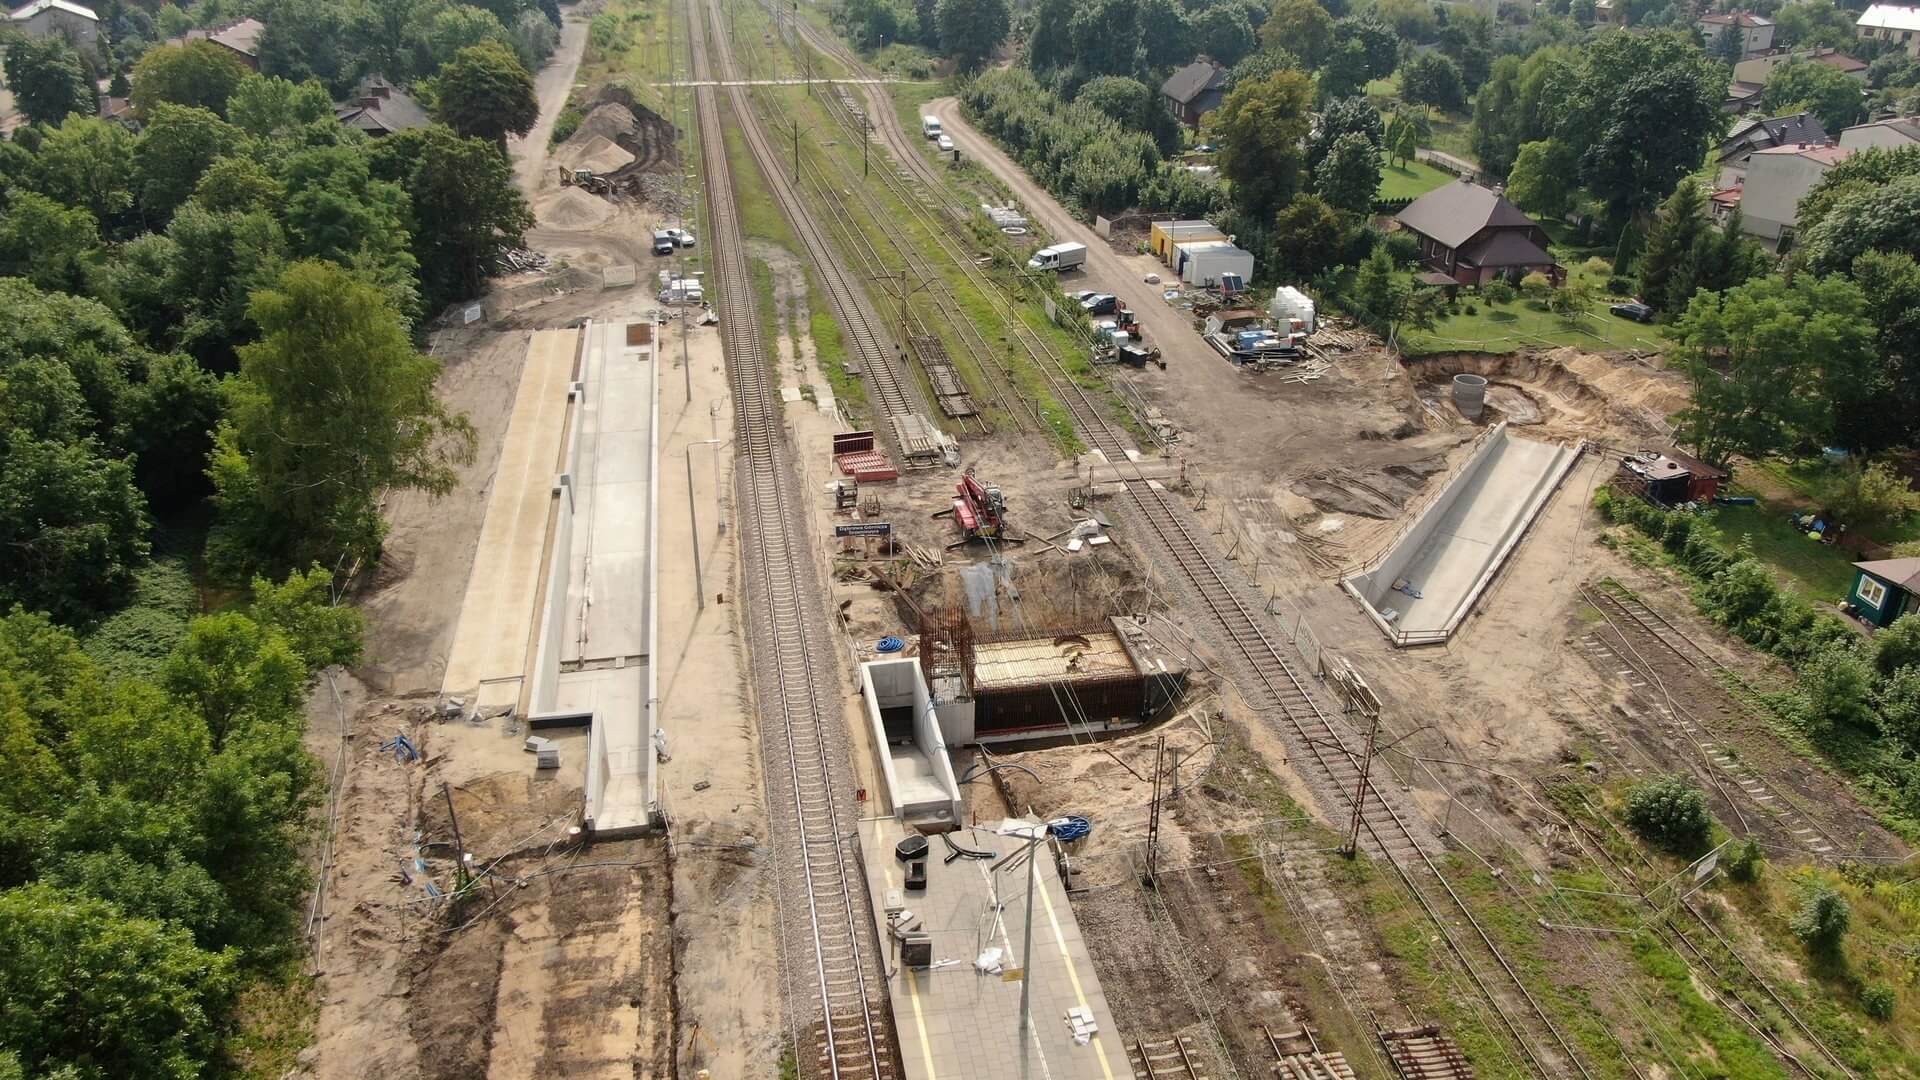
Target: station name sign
x=864, y=528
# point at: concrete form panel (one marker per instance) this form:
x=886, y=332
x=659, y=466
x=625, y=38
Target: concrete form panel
x=1457, y=544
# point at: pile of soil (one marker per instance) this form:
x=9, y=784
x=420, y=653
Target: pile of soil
x=1376, y=493
x=619, y=137
x=573, y=208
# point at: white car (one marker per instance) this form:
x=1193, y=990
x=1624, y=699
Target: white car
x=946, y=142
x=680, y=237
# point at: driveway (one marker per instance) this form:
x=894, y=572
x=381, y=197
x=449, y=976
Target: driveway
x=552, y=86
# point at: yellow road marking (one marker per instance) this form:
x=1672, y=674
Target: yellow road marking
x=1073, y=976
x=913, y=984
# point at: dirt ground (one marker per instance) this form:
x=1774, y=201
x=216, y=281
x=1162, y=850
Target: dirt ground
x=560, y=960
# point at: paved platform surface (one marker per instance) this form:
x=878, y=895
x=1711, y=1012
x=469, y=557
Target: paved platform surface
x=496, y=618
x=605, y=652
x=955, y=1022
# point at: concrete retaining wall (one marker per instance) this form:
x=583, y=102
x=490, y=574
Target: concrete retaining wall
x=1458, y=543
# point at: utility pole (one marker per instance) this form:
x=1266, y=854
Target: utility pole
x=796, y=151
x=1026, y=951
x=866, y=141
x=1153, y=811
x=1359, y=698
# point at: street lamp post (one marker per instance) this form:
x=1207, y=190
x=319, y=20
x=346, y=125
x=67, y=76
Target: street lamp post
x=693, y=519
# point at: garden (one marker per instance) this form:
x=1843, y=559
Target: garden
x=1502, y=317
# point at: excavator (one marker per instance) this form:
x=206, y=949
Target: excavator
x=981, y=512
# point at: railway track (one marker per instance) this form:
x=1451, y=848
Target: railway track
x=849, y=1020
x=1639, y=635
x=1277, y=689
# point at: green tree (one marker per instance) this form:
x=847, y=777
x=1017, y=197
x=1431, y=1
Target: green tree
x=1665, y=265
x=971, y=30
x=1821, y=923
x=1134, y=105
x=46, y=243
x=87, y=162
x=1350, y=174
x=72, y=522
x=1897, y=703
x=1639, y=115
x=1385, y=299
x=1260, y=128
x=166, y=420
x=1807, y=86
x=47, y=79
x=309, y=39
x=1836, y=684
x=1861, y=171
x=199, y=74
x=1493, y=110
x=239, y=184
x=1773, y=366
x=336, y=209
x=1671, y=813
x=1379, y=43
x=463, y=26
x=466, y=207
x=1301, y=27
x=486, y=94
x=267, y=107
x=1354, y=115
x=1345, y=72
x=1891, y=282
x=321, y=632
x=1542, y=179
x=1433, y=79
x=1307, y=235
x=177, y=146
x=332, y=407
x=222, y=258
x=1223, y=32
x=1898, y=646
x=1885, y=217
x=1813, y=22
x=89, y=985
x=1868, y=497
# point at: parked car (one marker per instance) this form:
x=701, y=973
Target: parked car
x=945, y=142
x=1081, y=296
x=681, y=237
x=1635, y=310
x=662, y=242
x=1100, y=304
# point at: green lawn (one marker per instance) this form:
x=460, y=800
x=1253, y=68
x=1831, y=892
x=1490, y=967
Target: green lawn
x=1816, y=571
x=1513, y=326
x=1410, y=181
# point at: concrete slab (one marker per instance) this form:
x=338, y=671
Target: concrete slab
x=1456, y=545
x=956, y=1022
x=497, y=616
x=606, y=632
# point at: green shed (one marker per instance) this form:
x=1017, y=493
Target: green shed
x=1886, y=589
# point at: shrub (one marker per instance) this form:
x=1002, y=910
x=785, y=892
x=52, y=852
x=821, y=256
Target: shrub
x=1619, y=286
x=1878, y=1000
x=1821, y=922
x=566, y=124
x=1898, y=645
x=1497, y=292
x=1473, y=309
x=1597, y=266
x=1867, y=497
x=1669, y=812
x=1536, y=287
x=1837, y=683
x=1742, y=861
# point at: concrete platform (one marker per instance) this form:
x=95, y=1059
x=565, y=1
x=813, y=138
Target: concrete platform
x=490, y=645
x=1458, y=543
x=604, y=627
x=956, y=1022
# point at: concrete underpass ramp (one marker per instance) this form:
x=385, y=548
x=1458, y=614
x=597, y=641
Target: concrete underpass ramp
x=489, y=653
x=1419, y=589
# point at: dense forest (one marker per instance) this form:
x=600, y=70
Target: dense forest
x=210, y=372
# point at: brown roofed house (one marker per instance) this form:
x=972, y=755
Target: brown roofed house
x=241, y=38
x=378, y=107
x=1473, y=234
x=1195, y=90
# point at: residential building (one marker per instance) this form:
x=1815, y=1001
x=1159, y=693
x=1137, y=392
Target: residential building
x=1755, y=31
x=242, y=38
x=1721, y=204
x=1751, y=134
x=1892, y=22
x=1742, y=97
x=1195, y=90
x=1777, y=179
x=1892, y=133
x=1885, y=589
x=1753, y=71
x=46, y=18
x=1471, y=234
x=378, y=107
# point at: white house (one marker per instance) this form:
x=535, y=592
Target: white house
x=1777, y=179
x=1755, y=31
x=1891, y=133
x=45, y=18
x=1892, y=22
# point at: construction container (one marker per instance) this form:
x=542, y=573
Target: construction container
x=1204, y=262
x=1165, y=234
x=1470, y=395
x=1290, y=304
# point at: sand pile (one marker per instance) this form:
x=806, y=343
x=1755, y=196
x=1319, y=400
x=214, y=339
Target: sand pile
x=599, y=154
x=572, y=208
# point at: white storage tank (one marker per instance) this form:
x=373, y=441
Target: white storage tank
x=1203, y=262
x=1291, y=303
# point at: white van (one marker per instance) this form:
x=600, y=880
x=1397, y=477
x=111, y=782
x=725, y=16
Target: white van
x=930, y=126
x=1058, y=257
